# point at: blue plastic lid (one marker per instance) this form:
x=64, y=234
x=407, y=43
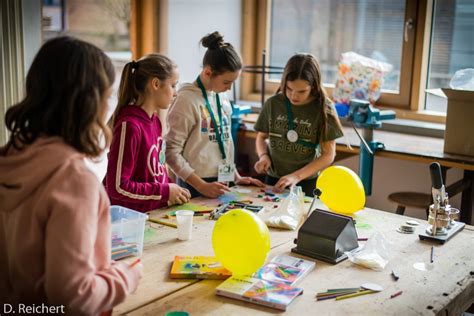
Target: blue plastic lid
x=342, y=109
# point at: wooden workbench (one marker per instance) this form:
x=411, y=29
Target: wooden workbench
x=402, y=146
x=446, y=288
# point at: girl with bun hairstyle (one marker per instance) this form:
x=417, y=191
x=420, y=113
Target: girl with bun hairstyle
x=200, y=149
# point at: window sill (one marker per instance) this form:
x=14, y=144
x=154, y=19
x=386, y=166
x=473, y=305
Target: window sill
x=401, y=124
x=411, y=127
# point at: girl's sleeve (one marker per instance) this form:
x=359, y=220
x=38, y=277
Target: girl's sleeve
x=262, y=122
x=78, y=271
x=182, y=119
x=334, y=131
x=121, y=167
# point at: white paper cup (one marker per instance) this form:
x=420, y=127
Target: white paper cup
x=184, y=220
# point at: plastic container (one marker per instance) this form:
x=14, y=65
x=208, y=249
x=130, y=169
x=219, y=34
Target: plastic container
x=128, y=230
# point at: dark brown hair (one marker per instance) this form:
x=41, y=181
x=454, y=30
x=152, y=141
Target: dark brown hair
x=65, y=90
x=306, y=67
x=136, y=75
x=220, y=56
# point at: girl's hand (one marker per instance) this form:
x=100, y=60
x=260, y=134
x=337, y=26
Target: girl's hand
x=249, y=181
x=212, y=189
x=178, y=195
x=263, y=164
x=286, y=181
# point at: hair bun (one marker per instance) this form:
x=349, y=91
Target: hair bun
x=213, y=40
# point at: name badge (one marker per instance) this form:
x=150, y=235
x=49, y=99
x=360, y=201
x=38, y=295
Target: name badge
x=292, y=136
x=226, y=172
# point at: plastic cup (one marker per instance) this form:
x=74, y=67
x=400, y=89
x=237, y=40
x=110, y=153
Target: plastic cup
x=184, y=220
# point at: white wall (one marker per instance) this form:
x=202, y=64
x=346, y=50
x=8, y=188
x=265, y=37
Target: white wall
x=205, y=16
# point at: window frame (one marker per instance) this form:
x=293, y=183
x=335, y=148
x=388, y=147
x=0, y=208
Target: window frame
x=408, y=103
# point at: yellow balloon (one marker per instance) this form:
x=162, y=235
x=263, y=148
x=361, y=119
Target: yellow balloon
x=341, y=190
x=241, y=241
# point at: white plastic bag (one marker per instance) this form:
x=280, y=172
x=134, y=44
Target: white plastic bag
x=374, y=254
x=463, y=80
x=288, y=215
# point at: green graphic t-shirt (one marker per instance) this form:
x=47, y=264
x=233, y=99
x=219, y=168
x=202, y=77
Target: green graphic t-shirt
x=286, y=156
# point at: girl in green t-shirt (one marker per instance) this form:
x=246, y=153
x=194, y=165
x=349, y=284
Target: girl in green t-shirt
x=300, y=125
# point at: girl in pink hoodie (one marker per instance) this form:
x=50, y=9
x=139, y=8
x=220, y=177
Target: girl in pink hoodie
x=136, y=173
x=54, y=217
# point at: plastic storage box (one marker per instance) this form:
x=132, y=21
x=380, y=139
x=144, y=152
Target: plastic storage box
x=128, y=229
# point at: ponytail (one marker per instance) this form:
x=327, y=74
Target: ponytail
x=135, y=76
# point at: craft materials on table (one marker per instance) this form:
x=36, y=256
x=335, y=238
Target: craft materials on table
x=134, y=263
x=344, y=293
x=162, y=222
x=395, y=275
x=258, y=291
x=224, y=208
x=198, y=267
x=286, y=269
x=122, y=249
x=197, y=208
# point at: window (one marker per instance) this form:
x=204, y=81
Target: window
x=426, y=41
x=452, y=47
x=327, y=29
x=104, y=23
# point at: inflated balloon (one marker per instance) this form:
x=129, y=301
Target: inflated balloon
x=341, y=190
x=241, y=241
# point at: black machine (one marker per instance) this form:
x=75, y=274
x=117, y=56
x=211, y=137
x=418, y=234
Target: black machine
x=326, y=236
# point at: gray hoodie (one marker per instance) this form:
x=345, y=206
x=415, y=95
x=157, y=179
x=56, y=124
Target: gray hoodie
x=191, y=139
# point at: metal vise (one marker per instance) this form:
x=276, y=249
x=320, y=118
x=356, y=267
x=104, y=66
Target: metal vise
x=365, y=116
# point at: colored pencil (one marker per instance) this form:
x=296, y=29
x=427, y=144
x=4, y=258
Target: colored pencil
x=159, y=221
x=336, y=295
x=134, y=263
x=396, y=294
x=343, y=289
x=355, y=294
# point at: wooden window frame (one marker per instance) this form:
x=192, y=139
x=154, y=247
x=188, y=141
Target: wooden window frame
x=148, y=27
x=408, y=103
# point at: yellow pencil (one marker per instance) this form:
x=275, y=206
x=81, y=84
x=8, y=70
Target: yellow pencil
x=158, y=221
x=355, y=294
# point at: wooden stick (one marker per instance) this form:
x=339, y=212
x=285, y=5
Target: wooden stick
x=159, y=221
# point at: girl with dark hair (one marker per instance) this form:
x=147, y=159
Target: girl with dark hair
x=301, y=125
x=54, y=215
x=200, y=148
x=136, y=174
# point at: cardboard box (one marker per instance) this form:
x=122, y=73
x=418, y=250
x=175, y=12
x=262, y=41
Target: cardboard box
x=459, y=133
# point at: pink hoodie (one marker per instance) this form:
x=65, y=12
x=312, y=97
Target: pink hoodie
x=136, y=172
x=55, y=232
